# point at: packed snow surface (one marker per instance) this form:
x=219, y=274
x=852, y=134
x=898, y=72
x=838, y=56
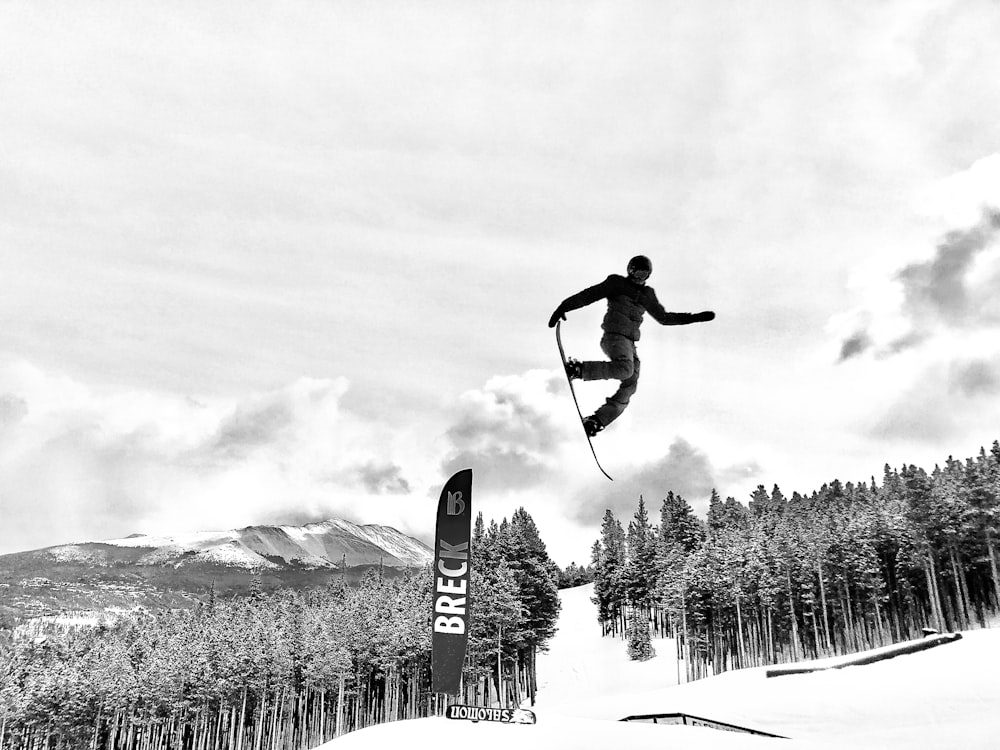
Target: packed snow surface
x=191, y=540
x=235, y=555
x=945, y=697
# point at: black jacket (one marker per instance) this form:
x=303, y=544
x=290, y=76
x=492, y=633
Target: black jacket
x=627, y=302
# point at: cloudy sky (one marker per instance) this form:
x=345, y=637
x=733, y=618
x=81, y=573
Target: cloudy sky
x=268, y=262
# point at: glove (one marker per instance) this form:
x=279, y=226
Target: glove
x=556, y=317
x=704, y=317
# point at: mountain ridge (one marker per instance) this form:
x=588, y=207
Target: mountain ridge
x=331, y=543
x=179, y=570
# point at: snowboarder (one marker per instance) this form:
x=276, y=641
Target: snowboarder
x=628, y=298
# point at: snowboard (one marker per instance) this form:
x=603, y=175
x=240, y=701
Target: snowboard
x=579, y=414
x=482, y=713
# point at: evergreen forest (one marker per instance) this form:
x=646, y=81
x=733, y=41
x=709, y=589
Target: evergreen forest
x=289, y=669
x=843, y=569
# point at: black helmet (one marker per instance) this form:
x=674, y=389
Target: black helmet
x=640, y=263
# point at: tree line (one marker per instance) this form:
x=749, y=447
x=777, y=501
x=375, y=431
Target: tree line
x=842, y=569
x=288, y=669
x=575, y=575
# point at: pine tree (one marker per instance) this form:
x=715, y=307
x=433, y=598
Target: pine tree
x=496, y=629
x=609, y=584
x=983, y=483
x=716, y=512
x=640, y=569
x=537, y=577
x=640, y=645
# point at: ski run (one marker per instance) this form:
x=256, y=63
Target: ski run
x=942, y=698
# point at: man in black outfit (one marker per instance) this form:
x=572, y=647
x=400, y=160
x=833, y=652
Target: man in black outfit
x=628, y=299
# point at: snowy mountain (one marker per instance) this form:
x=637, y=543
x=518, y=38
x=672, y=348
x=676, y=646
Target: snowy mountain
x=944, y=697
x=178, y=570
x=329, y=544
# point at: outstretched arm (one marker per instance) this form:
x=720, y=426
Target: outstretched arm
x=680, y=319
x=655, y=309
x=580, y=299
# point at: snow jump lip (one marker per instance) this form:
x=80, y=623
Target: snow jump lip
x=698, y=721
x=870, y=657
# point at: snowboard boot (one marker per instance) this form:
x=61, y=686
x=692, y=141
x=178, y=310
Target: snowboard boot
x=574, y=369
x=591, y=426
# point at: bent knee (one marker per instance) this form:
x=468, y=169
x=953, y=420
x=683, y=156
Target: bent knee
x=622, y=369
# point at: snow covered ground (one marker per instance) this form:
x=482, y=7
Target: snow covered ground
x=945, y=697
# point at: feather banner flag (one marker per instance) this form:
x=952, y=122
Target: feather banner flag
x=452, y=571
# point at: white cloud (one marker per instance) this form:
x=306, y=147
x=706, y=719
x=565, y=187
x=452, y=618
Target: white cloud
x=942, y=294
x=924, y=341
x=512, y=430
x=961, y=199
x=80, y=462
x=685, y=469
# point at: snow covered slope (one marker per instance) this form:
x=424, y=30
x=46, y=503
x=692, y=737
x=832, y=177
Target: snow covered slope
x=946, y=697
x=318, y=545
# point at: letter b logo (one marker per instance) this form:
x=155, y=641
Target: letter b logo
x=456, y=505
